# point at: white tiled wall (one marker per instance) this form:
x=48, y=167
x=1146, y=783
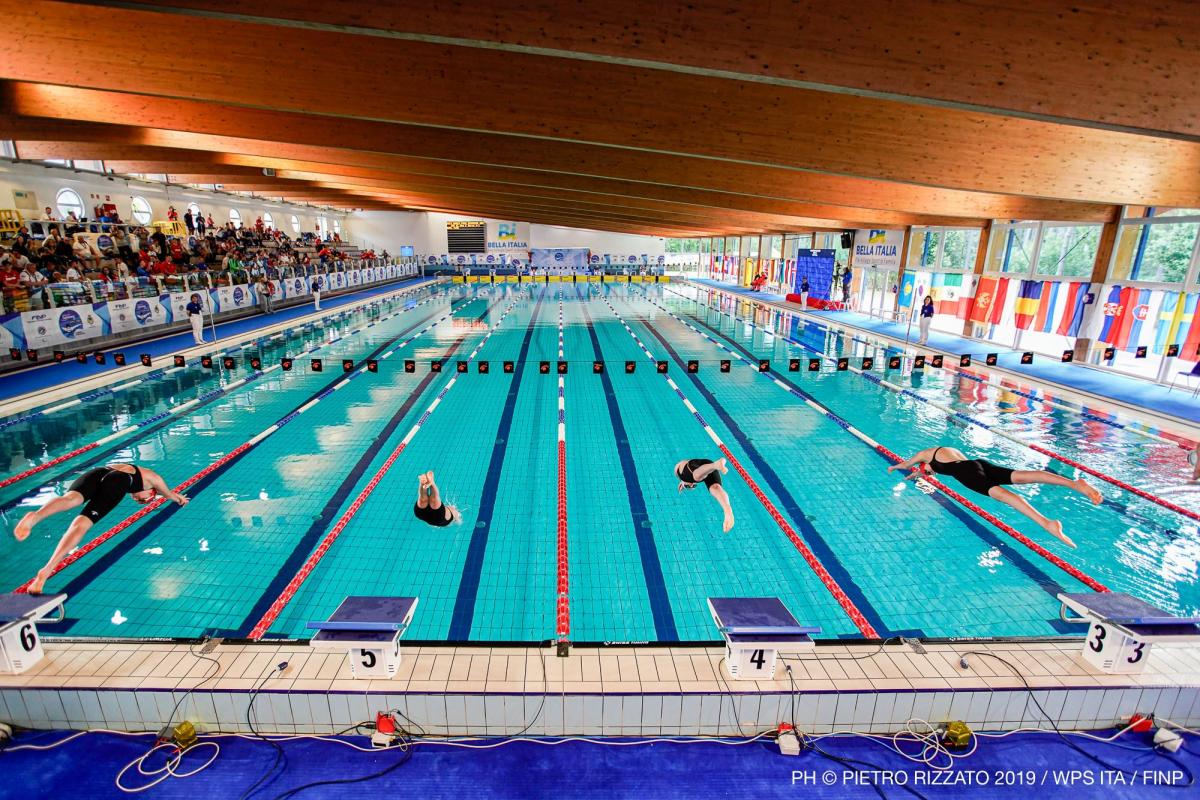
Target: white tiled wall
x=596, y=714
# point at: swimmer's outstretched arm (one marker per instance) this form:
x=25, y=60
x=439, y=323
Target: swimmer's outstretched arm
x=923, y=457
x=157, y=483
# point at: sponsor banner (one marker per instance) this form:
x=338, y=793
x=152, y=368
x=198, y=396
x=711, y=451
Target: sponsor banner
x=176, y=303
x=390, y=271
x=61, y=325
x=507, y=237
x=135, y=314
x=12, y=334
x=874, y=247
x=335, y=281
x=231, y=297
x=559, y=258
x=354, y=277
x=294, y=287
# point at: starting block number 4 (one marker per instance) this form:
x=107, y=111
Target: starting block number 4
x=746, y=663
x=20, y=647
x=375, y=662
x=1110, y=650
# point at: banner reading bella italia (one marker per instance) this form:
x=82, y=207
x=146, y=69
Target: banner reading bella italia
x=875, y=247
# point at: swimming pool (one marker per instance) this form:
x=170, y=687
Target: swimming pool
x=310, y=502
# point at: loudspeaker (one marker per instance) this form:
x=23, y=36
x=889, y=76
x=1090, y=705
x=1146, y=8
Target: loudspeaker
x=847, y=240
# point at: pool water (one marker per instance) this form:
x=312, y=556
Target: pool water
x=642, y=556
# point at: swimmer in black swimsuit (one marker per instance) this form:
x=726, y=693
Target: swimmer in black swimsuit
x=987, y=478
x=701, y=470
x=101, y=489
x=429, y=506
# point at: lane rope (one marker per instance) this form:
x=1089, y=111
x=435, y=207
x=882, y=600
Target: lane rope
x=562, y=615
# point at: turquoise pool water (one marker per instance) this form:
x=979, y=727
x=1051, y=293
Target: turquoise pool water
x=642, y=556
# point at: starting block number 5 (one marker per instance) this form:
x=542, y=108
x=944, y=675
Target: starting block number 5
x=1112, y=651
x=371, y=662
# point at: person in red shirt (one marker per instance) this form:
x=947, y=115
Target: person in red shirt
x=258, y=225
x=177, y=254
x=145, y=260
x=172, y=214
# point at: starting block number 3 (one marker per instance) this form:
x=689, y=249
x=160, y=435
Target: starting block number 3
x=1110, y=650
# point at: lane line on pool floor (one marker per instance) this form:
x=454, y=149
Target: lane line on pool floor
x=468, y=588
x=305, y=543
x=840, y=596
x=790, y=387
x=643, y=533
x=210, y=473
x=965, y=419
x=276, y=608
x=189, y=406
x=1133, y=425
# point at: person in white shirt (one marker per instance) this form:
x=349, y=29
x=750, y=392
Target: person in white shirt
x=316, y=292
x=73, y=273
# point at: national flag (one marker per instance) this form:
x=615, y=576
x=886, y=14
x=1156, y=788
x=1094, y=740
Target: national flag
x=1114, y=311
x=1192, y=343
x=1046, y=308
x=946, y=290
x=1130, y=324
x=906, y=289
x=1029, y=297
x=982, y=309
x=1073, y=305
x=997, y=311
x=1171, y=305
x=1144, y=315
x=1174, y=321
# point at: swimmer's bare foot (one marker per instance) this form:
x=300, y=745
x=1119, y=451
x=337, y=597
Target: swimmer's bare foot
x=39, y=582
x=720, y=462
x=423, y=479
x=727, y=525
x=1055, y=528
x=24, y=528
x=429, y=476
x=1087, y=490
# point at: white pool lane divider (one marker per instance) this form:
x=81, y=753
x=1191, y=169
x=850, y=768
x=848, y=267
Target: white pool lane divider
x=155, y=374
x=1058, y=561
x=190, y=404
x=562, y=616
x=1132, y=425
x=289, y=592
x=132, y=519
x=956, y=416
x=839, y=595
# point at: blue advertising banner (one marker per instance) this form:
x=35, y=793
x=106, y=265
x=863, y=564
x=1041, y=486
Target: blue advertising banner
x=817, y=266
x=559, y=258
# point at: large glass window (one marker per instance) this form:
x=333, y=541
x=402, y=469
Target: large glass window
x=295, y=224
x=268, y=220
x=194, y=208
x=235, y=217
x=958, y=249
x=1158, y=253
x=1068, y=251
x=923, y=248
x=337, y=226
x=69, y=202
x=141, y=210
x=1011, y=248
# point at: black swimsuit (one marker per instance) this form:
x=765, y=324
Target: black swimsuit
x=104, y=487
x=976, y=474
x=437, y=517
x=685, y=473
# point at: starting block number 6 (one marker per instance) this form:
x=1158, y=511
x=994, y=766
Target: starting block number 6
x=1113, y=651
x=20, y=648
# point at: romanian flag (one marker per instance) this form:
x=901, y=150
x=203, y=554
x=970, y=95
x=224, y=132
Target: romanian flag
x=1044, y=320
x=988, y=305
x=1073, y=304
x=1029, y=297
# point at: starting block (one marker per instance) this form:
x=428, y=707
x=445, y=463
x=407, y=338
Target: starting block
x=20, y=644
x=756, y=630
x=1122, y=629
x=369, y=630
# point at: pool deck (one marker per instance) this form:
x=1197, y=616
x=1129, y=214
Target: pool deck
x=47, y=382
x=1176, y=406
x=639, y=690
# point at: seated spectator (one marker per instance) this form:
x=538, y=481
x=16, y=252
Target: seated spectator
x=84, y=251
x=74, y=271
x=35, y=283
x=178, y=256
x=48, y=214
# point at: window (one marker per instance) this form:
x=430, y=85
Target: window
x=194, y=208
x=235, y=217
x=1068, y=251
x=1154, y=253
x=322, y=225
x=959, y=248
x=295, y=224
x=1012, y=248
x=69, y=201
x=337, y=227
x=141, y=210
x=268, y=220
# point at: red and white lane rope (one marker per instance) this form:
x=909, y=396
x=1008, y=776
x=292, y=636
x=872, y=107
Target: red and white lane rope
x=1071, y=570
x=562, y=617
x=289, y=592
x=183, y=407
x=124, y=524
x=1134, y=426
x=966, y=419
x=860, y=621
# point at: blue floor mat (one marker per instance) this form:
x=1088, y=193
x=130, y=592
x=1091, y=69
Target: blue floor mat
x=34, y=379
x=1111, y=385
x=1015, y=767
